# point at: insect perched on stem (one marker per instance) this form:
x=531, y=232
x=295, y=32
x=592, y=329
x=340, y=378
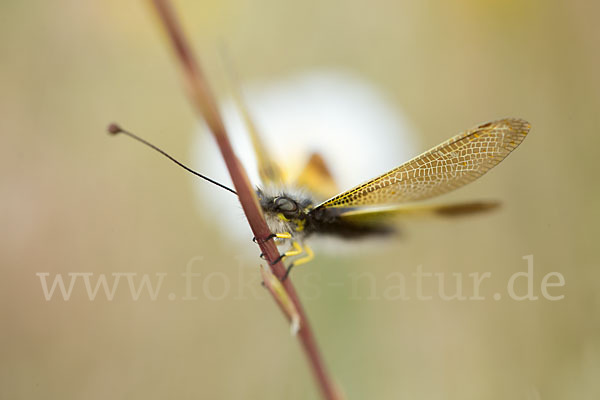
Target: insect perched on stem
x=293, y=212
x=369, y=208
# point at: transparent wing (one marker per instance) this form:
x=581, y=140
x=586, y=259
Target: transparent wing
x=268, y=170
x=376, y=215
x=446, y=167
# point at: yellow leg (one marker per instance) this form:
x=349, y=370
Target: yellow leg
x=307, y=258
x=281, y=236
x=296, y=249
x=302, y=260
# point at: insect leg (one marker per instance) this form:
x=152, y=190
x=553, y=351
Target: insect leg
x=294, y=251
x=307, y=258
x=287, y=272
x=303, y=260
x=284, y=235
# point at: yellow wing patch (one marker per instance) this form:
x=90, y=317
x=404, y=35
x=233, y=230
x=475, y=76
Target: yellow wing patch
x=442, y=169
x=317, y=178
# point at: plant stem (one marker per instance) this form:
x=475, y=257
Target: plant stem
x=205, y=103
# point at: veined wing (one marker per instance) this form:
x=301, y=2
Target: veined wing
x=446, y=167
x=268, y=170
x=376, y=215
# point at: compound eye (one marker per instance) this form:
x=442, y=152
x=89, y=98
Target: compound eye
x=285, y=204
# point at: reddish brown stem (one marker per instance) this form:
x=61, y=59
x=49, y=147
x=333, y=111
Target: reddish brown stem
x=206, y=105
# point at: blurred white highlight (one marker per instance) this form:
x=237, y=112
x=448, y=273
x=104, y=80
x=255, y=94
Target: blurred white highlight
x=348, y=121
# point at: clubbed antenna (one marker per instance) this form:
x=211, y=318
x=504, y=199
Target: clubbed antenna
x=115, y=129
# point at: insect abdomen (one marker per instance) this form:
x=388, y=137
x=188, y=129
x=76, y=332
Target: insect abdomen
x=328, y=222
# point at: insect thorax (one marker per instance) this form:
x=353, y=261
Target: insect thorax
x=286, y=210
x=295, y=213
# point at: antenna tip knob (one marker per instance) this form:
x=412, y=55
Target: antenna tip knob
x=114, y=129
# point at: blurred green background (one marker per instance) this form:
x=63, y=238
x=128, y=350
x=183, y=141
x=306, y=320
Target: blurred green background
x=74, y=200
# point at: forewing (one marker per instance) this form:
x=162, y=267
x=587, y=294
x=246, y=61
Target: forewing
x=268, y=170
x=446, y=167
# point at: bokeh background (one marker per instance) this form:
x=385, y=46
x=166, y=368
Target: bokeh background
x=74, y=200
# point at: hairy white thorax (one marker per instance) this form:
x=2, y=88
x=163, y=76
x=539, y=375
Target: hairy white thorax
x=359, y=133
x=274, y=220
